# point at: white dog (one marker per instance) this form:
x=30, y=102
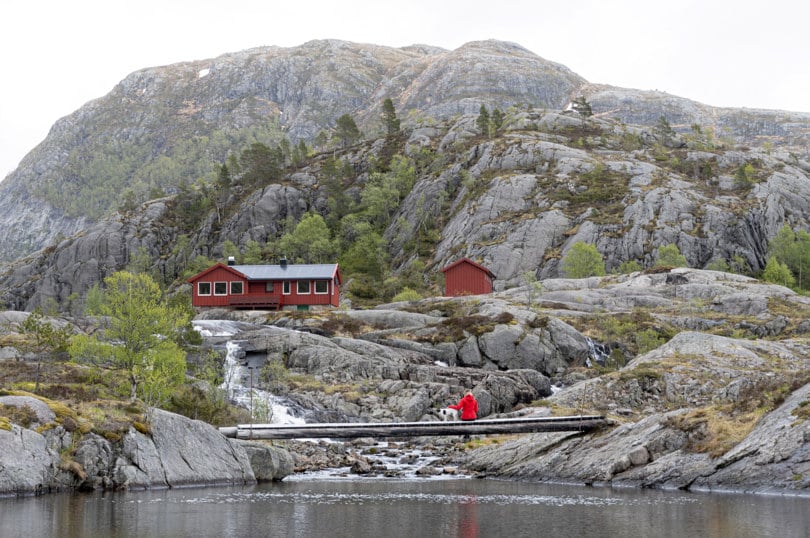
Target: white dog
x=448, y=415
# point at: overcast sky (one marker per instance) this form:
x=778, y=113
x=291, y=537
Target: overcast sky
x=58, y=54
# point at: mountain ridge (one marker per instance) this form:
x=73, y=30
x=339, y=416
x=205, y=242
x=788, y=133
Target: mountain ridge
x=158, y=113
x=163, y=128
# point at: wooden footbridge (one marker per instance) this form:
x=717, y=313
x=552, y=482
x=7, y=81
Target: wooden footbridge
x=350, y=430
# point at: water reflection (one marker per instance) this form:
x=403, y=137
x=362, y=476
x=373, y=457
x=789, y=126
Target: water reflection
x=392, y=508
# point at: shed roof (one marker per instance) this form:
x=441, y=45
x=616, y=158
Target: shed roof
x=469, y=261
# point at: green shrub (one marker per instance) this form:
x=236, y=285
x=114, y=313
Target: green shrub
x=407, y=294
x=208, y=406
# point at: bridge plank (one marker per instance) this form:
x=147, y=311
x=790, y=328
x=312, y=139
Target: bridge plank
x=415, y=429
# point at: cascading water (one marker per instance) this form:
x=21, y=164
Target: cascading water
x=239, y=378
x=386, y=459
x=597, y=353
x=265, y=406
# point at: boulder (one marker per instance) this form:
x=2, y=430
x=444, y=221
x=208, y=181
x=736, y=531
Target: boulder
x=194, y=452
x=27, y=466
x=268, y=463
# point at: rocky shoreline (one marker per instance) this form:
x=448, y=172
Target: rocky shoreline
x=721, y=405
x=177, y=452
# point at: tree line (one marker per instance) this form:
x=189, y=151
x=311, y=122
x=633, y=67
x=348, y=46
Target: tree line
x=787, y=264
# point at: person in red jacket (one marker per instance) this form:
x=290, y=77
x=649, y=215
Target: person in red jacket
x=468, y=407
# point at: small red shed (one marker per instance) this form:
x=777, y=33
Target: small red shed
x=465, y=277
x=271, y=287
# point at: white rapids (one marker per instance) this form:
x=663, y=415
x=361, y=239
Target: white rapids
x=263, y=405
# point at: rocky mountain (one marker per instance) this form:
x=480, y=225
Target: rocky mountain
x=517, y=202
x=165, y=127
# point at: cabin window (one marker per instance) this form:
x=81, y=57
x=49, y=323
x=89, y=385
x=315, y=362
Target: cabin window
x=236, y=288
x=286, y=287
x=203, y=288
x=220, y=288
x=322, y=287
x=268, y=287
x=303, y=287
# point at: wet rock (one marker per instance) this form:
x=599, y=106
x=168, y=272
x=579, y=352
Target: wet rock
x=361, y=466
x=428, y=471
x=268, y=463
x=98, y=458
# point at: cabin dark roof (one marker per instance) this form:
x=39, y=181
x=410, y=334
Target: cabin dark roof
x=288, y=272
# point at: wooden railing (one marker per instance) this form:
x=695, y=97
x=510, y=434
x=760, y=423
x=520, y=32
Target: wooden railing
x=248, y=301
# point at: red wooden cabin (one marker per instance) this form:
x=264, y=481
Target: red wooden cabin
x=268, y=287
x=465, y=277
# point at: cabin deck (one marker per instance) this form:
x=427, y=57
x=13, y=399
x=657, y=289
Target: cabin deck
x=248, y=301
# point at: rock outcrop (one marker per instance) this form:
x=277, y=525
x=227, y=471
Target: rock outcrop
x=687, y=412
x=177, y=452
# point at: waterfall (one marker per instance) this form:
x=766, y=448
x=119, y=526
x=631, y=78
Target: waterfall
x=597, y=353
x=265, y=407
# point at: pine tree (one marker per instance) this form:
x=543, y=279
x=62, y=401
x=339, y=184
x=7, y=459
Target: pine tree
x=389, y=116
x=483, y=120
x=497, y=119
x=346, y=130
x=582, y=107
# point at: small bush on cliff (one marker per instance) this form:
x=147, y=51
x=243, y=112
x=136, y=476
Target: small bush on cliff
x=583, y=260
x=193, y=402
x=23, y=416
x=407, y=294
x=670, y=256
x=802, y=411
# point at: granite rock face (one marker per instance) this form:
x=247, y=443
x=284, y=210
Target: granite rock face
x=517, y=203
x=26, y=464
x=179, y=452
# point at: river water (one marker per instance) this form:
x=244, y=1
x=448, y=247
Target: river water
x=376, y=508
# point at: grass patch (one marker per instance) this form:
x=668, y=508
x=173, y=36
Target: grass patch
x=490, y=440
x=802, y=410
x=715, y=430
x=343, y=325
x=23, y=416
x=458, y=328
x=642, y=374
x=562, y=411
